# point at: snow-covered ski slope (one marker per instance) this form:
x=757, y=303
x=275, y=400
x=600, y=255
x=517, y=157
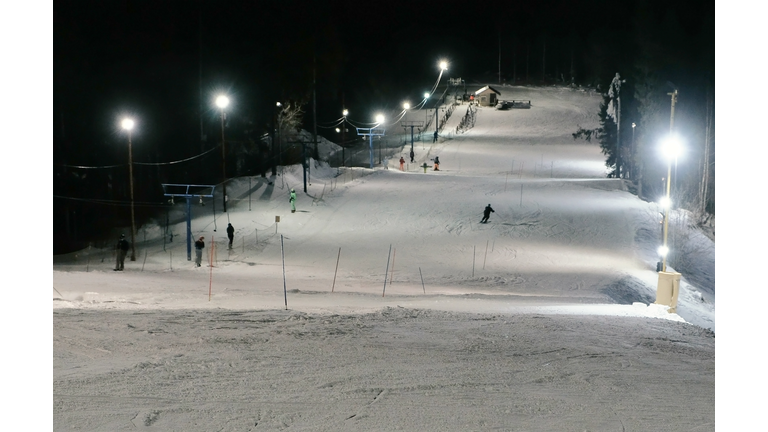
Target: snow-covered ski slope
x=541, y=319
x=562, y=235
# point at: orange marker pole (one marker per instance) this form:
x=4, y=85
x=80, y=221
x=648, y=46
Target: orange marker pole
x=210, y=279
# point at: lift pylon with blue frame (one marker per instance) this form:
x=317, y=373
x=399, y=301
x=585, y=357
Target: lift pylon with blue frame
x=188, y=195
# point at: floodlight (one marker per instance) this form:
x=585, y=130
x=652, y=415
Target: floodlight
x=345, y=113
x=663, y=251
x=406, y=105
x=380, y=118
x=222, y=101
x=443, y=65
x=127, y=124
x=279, y=104
x=426, y=95
x=665, y=202
x=671, y=147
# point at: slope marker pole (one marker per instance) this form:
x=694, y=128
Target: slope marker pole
x=422, y=281
x=386, y=271
x=337, y=270
x=210, y=278
x=285, y=289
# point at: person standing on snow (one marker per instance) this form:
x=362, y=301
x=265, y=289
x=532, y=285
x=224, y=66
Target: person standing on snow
x=434, y=140
x=292, y=200
x=199, y=245
x=402, y=162
x=487, y=213
x=230, y=234
x=122, y=250
x=412, y=155
x=437, y=163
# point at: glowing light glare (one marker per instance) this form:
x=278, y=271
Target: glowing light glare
x=672, y=148
x=633, y=125
x=338, y=130
x=426, y=95
x=665, y=202
x=406, y=105
x=222, y=101
x=443, y=65
x=663, y=251
x=345, y=113
x=127, y=124
x=379, y=118
x=279, y=104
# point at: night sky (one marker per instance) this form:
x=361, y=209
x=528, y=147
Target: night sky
x=150, y=58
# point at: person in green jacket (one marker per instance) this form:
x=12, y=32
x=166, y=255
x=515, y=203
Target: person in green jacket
x=292, y=200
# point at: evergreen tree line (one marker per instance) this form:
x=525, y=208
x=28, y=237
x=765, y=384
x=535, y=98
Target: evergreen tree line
x=670, y=52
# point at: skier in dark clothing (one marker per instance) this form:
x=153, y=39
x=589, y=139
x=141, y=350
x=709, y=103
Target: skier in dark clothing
x=199, y=245
x=122, y=250
x=434, y=140
x=487, y=213
x=412, y=155
x=230, y=234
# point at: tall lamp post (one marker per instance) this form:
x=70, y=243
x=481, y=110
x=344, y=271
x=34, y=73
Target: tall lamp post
x=344, y=113
x=443, y=68
x=128, y=125
x=671, y=148
x=631, y=153
x=222, y=102
x=274, y=161
x=669, y=282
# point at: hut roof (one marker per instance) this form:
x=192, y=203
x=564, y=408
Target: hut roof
x=482, y=90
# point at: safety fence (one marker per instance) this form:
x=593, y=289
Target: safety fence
x=468, y=121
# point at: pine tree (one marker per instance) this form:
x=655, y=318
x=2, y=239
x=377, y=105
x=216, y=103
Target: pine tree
x=607, y=135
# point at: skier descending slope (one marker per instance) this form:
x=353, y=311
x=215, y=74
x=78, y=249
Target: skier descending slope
x=487, y=213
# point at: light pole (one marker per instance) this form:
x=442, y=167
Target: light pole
x=274, y=161
x=632, y=153
x=671, y=148
x=443, y=68
x=128, y=125
x=379, y=120
x=669, y=282
x=344, y=113
x=222, y=102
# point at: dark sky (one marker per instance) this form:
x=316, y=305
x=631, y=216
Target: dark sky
x=154, y=58
x=148, y=57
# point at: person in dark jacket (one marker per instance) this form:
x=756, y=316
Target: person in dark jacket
x=230, y=234
x=199, y=245
x=412, y=156
x=122, y=250
x=434, y=139
x=437, y=163
x=487, y=213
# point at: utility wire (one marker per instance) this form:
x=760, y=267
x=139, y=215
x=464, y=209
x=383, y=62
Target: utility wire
x=142, y=163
